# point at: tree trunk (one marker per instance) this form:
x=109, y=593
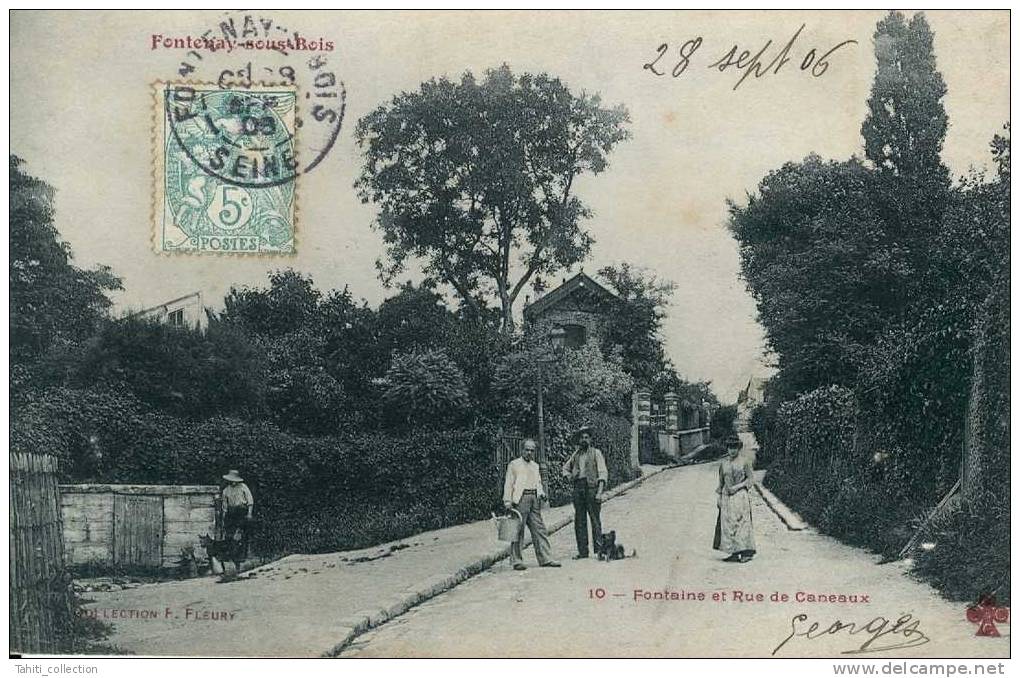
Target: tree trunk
x=508, y=317
x=507, y=305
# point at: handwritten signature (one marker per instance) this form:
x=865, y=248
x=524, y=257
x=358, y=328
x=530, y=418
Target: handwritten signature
x=899, y=634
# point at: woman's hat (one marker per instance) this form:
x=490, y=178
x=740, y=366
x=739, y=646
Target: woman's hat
x=234, y=476
x=733, y=441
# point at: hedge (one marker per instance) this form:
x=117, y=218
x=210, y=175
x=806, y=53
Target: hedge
x=971, y=554
x=854, y=476
x=312, y=494
x=611, y=434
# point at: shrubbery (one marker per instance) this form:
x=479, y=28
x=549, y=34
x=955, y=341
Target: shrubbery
x=312, y=493
x=425, y=388
x=820, y=470
x=611, y=434
x=723, y=420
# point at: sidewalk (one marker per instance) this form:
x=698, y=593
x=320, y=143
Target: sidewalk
x=307, y=605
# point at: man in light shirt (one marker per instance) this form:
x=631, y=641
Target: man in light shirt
x=523, y=491
x=237, y=507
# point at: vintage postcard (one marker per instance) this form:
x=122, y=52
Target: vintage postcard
x=510, y=334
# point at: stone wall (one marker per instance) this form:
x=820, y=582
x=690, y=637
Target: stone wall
x=87, y=512
x=185, y=518
x=692, y=439
x=88, y=526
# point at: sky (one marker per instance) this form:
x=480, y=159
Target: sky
x=82, y=119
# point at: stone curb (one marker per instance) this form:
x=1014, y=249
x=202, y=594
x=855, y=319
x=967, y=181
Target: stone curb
x=360, y=622
x=789, y=518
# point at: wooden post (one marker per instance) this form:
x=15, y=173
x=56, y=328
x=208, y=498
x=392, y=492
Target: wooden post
x=541, y=417
x=543, y=457
x=635, y=438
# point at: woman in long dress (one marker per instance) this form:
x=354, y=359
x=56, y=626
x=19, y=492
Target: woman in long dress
x=734, y=530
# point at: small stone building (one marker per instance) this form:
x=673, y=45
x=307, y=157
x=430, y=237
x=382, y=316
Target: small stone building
x=135, y=526
x=580, y=307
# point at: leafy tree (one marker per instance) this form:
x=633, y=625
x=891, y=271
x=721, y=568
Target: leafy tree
x=816, y=259
x=693, y=392
x=903, y=137
x=52, y=300
x=302, y=394
x=467, y=175
x=906, y=123
x=414, y=317
x=290, y=302
x=418, y=319
x=636, y=326
x=425, y=388
x=723, y=422
x=577, y=383
x=1000, y=153
x=177, y=370
x=322, y=351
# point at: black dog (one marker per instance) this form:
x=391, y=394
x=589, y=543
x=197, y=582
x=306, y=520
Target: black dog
x=608, y=549
x=224, y=550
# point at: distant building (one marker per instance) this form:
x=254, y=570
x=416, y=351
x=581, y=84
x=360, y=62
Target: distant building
x=580, y=307
x=753, y=394
x=749, y=398
x=186, y=311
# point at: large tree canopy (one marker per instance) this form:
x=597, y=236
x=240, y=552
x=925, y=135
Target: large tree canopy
x=476, y=179
x=51, y=299
x=903, y=136
x=817, y=260
x=636, y=325
x=835, y=253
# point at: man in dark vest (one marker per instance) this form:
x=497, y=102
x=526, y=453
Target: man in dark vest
x=586, y=467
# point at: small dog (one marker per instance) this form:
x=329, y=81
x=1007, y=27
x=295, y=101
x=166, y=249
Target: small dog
x=609, y=550
x=223, y=550
x=187, y=564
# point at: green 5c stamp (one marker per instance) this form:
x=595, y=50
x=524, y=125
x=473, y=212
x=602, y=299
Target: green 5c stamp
x=225, y=169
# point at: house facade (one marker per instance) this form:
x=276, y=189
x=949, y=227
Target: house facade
x=580, y=307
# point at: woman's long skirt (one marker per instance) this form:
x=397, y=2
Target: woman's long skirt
x=734, y=529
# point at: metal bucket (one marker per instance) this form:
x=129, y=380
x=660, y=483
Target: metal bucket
x=508, y=526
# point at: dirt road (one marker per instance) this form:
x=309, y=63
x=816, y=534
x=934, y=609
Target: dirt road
x=712, y=608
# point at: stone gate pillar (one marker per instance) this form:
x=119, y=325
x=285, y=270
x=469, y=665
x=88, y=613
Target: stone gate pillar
x=672, y=412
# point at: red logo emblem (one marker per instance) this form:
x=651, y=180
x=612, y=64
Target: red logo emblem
x=985, y=614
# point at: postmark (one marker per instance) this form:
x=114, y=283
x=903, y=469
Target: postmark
x=225, y=164
x=232, y=136
x=244, y=48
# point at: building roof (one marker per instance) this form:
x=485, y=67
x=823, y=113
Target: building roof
x=165, y=304
x=581, y=281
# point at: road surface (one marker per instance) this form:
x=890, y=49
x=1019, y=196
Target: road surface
x=712, y=608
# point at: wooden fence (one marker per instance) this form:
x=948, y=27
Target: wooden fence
x=40, y=599
x=508, y=448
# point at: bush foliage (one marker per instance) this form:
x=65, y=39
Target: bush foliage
x=321, y=493
x=425, y=388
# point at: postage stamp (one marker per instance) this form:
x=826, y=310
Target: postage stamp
x=225, y=164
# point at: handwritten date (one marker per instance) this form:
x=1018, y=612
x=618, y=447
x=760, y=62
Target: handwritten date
x=757, y=64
